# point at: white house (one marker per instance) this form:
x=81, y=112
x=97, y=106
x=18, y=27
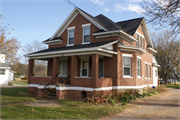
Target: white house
x=5, y=73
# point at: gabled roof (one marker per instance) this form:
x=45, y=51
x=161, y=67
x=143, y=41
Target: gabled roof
x=104, y=24
x=130, y=26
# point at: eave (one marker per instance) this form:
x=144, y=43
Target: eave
x=119, y=33
x=52, y=42
x=131, y=49
x=84, y=51
x=151, y=50
x=155, y=65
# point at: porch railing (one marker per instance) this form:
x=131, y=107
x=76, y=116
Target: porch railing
x=64, y=80
x=50, y=82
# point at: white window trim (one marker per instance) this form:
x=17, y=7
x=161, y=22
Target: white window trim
x=70, y=29
x=139, y=77
x=84, y=59
x=86, y=26
x=139, y=68
x=138, y=57
x=127, y=55
x=139, y=34
x=85, y=43
x=145, y=70
x=127, y=76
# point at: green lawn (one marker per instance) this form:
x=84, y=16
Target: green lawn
x=13, y=100
x=177, y=86
x=25, y=82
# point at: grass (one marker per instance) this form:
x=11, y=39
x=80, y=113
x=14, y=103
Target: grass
x=13, y=107
x=177, y=86
x=22, y=82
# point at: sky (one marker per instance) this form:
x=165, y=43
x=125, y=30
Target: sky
x=39, y=19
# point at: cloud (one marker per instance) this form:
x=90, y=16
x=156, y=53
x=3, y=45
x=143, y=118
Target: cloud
x=102, y=4
x=99, y=2
x=129, y=7
x=106, y=10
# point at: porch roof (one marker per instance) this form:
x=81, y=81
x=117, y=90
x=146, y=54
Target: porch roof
x=75, y=48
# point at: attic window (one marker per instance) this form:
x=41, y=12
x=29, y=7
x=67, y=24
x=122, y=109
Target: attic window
x=70, y=40
x=86, y=33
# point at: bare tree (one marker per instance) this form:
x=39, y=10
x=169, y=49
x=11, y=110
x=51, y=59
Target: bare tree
x=168, y=52
x=40, y=67
x=163, y=13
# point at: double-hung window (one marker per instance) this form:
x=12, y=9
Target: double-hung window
x=126, y=66
x=142, y=43
x=70, y=40
x=86, y=33
x=2, y=71
x=137, y=38
x=146, y=71
x=149, y=71
x=138, y=67
x=71, y=37
x=62, y=67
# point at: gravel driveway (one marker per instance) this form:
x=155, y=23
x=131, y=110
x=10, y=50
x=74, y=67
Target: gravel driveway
x=161, y=106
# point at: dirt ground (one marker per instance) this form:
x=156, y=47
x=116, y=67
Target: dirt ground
x=161, y=106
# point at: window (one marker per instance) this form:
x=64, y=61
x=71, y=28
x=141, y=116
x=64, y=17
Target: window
x=138, y=67
x=137, y=37
x=84, y=68
x=70, y=37
x=2, y=71
x=126, y=66
x=156, y=73
x=142, y=43
x=149, y=71
x=146, y=70
x=86, y=35
x=101, y=67
x=63, y=67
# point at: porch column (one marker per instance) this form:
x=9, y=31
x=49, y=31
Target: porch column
x=73, y=68
x=55, y=68
x=95, y=69
x=30, y=70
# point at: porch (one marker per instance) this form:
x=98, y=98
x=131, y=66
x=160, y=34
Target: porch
x=81, y=71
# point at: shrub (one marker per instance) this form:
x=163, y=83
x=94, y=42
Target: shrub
x=124, y=103
x=24, y=78
x=111, y=101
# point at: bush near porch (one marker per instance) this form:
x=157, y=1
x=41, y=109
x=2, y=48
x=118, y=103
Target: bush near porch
x=131, y=94
x=13, y=106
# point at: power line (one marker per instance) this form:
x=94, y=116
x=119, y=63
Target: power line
x=70, y=3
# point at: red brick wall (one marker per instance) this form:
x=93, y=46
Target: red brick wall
x=78, y=21
x=37, y=80
x=104, y=82
x=83, y=82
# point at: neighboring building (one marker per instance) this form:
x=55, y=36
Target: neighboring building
x=96, y=54
x=5, y=73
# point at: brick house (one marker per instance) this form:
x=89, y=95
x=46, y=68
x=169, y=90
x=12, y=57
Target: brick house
x=95, y=53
